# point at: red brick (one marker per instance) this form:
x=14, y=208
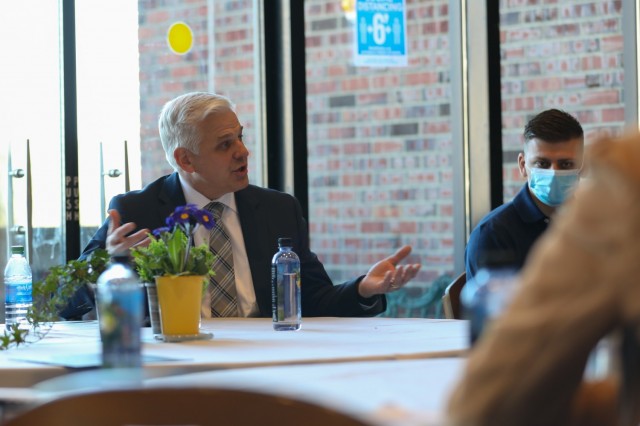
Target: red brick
x=372, y=227
x=613, y=114
x=598, y=98
x=612, y=44
x=341, y=196
x=391, y=146
x=544, y=84
x=354, y=84
x=157, y=17
x=405, y=227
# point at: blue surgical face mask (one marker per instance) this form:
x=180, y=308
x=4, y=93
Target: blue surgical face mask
x=552, y=187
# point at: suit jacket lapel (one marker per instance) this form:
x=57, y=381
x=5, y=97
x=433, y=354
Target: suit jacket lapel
x=254, y=226
x=170, y=196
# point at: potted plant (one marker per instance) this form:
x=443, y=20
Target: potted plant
x=179, y=270
x=51, y=295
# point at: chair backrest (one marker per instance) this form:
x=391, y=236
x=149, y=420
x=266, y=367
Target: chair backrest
x=451, y=297
x=179, y=406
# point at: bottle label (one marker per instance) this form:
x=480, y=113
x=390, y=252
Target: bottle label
x=274, y=292
x=285, y=293
x=120, y=307
x=18, y=292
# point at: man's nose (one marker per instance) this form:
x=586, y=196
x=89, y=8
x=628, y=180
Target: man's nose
x=242, y=150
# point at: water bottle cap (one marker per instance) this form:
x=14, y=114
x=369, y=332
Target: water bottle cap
x=17, y=250
x=284, y=242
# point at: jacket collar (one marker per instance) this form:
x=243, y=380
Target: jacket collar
x=170, y=195
x=526, y=207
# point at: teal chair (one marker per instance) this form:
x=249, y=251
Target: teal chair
x=417, y=301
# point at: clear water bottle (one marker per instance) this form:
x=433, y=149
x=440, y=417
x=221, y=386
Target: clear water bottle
x=285, y=288
x=120, y=311
x=18, y=287
x=487, y=294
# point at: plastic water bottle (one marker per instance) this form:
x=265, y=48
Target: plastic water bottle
x=285, y=288
x=487, y=294
x=18, y=287
x=120, y=311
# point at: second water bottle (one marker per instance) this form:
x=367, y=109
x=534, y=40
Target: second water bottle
x=285, y=287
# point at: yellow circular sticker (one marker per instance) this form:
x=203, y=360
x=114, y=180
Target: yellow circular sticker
x=180, y=38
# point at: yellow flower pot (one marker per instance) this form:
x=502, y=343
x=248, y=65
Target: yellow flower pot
x=179, y=299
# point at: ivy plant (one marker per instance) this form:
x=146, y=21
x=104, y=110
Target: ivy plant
x=51, y=295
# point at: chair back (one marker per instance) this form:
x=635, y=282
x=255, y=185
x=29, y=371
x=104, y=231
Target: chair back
x=179, y=406
x=451, y=297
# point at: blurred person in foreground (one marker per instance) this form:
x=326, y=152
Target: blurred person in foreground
x=202, y=140
x=551, y=161
x=580, y=283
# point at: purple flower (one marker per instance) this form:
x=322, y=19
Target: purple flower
x=183, y=215
x=188, y=217
x=159, y=231
x=205, y=218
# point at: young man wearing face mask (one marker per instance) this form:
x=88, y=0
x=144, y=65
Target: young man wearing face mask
x=551, y=162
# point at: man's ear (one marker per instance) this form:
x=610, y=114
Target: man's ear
x=183, y=159
x=521, y=165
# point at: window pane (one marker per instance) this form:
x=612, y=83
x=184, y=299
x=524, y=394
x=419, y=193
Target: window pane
x=30, y=110
x=566, y=55
x=125, y=79
x=221, y=60
x=108, y=105
x=380, y=151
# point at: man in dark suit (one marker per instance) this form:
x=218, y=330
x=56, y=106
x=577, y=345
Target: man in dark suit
x=202, y=140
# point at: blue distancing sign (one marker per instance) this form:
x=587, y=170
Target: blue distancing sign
x=380, y=33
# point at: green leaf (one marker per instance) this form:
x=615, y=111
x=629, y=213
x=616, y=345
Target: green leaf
x=171, y=254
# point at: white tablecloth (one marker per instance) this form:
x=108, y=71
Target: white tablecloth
x=406, y=392
x=244, y=342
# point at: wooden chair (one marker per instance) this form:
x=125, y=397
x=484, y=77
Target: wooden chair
x=451, y=297
x=179, y=406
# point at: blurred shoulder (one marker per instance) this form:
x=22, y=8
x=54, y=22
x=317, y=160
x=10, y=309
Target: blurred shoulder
x=616, y=157
x=501, y=217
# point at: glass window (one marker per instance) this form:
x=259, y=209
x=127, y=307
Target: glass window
x=108, y=106
x=30, y=110
x=154, y=53
x=127, y=68
x=565, y=55
x=221, y=59
x=380, y=150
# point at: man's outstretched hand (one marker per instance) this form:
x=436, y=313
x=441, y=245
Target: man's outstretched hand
x=118, y=242
x=387, y=276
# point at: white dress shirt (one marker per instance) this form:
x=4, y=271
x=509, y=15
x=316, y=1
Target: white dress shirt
x=247, y=305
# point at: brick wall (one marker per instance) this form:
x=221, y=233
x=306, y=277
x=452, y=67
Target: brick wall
x=380, y=171
x=165, y=75
x=559, y=54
